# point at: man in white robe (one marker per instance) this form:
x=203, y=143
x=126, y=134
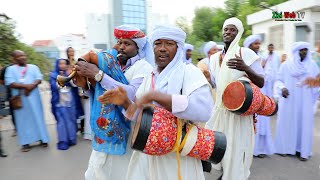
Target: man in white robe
x=209, y=49
x=227, y=66
x=188, y=48
x=181, y=89
x=295, y=116
x=263, y=139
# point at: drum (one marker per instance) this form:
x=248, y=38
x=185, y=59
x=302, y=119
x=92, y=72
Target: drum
x=269, y=107
x=244, y=98
x=156, y=131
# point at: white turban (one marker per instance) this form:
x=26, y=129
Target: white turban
x=142, y=41
x=172, y=74
x=209, y=45
x=233, y=49
x=298, y=67
x=185, y=49
x=188, y=47
x=169, y=32
x=251, y=39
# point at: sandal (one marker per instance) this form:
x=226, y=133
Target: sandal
x=25, y=148
x=44, y=145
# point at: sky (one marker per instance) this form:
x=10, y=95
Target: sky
x=44, y=19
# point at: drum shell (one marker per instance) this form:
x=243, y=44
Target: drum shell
x=158, y=131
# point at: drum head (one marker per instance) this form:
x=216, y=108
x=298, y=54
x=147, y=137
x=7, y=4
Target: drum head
x=237, y=96
x=233, y=96
x=141, y=129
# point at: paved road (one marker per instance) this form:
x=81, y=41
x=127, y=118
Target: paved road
x=51, y=164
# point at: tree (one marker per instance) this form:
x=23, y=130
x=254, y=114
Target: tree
x=202, y=23
x=9, y=43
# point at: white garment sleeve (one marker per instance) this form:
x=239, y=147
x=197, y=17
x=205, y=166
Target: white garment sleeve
x=257, y=68
x=195, y=107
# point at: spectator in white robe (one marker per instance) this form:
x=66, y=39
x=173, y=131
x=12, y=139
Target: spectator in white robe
x=209, y=49
x=263, y=139
x=187, y=53
x=295, y=116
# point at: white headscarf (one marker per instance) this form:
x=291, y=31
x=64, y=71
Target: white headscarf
x=145, y=48
x=185, y=49
x=225, y=74
x=298, y=68
x=209, y=45
x=251, y=39
x=172, y=75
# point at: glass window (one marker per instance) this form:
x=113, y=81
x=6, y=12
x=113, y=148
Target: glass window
x=276, y=36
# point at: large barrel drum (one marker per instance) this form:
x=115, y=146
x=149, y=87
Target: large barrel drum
x=156, y=130
x=245, y=98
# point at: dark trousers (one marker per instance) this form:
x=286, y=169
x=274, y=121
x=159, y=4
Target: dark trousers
x=12, y=117
x=0, y=142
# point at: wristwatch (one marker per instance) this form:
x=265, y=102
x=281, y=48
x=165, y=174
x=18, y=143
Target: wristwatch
x=98, y=77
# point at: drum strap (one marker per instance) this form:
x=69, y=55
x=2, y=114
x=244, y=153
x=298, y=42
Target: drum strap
x=179, y=146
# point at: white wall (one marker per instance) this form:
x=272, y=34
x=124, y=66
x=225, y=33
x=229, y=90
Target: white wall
x=78, y=43
x=96, y=28
x=289, y=30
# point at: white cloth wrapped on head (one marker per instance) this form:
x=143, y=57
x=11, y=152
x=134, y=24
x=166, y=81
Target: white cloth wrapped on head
x=298, y=67
x=138, y=36
x=209, y=45
x=251, y=39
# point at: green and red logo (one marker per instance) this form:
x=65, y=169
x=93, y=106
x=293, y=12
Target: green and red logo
x=288, y=16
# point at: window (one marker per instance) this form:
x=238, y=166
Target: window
x=317, y=34
x=276, y=36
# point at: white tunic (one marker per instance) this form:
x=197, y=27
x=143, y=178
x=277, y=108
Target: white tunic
x=199, y=105
x=238, y=129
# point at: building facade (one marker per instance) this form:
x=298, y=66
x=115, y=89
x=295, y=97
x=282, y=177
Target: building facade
x=286, y=23
x=118, y=12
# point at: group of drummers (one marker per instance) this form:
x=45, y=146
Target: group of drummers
x=148, y=106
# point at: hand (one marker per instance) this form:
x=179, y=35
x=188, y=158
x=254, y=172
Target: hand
x=207, y=75
x=86, y=69
x=263, y=63
x=80, y=81
x=285, y=92
x=29, y=88
x=238, y=64
x=146, y=99
x=117, y=96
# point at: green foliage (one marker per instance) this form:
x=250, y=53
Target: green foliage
x=9, y=43
x=202, y=23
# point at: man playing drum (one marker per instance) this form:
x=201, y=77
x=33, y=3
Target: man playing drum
x=230, y=65
x=109, y=127
x=179, y=88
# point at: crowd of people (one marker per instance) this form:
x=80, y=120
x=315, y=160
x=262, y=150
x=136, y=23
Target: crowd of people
x=158, y=70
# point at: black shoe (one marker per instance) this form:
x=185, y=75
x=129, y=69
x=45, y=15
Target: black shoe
x=261, y=156
x=43, y=144
x=302, y=159
x=298, y=154
x=25, y=148
x=2, y=153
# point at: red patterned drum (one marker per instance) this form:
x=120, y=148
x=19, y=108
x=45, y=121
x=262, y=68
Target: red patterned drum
x=244, y=98
x=156, y=130
x=269, y=108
